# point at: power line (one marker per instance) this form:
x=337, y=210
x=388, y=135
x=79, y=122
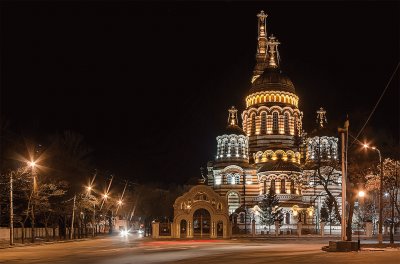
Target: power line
x=376, y=105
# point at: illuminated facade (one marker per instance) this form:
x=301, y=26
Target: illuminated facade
x=271, y=151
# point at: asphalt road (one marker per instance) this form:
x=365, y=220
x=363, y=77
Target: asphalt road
x=136, y=250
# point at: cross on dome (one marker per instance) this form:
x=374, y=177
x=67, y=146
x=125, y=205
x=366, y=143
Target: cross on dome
x=232, y=118
x=272, y=50
x=321, y=117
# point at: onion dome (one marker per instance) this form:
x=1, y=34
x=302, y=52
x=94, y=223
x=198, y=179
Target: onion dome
x=233, y=145
x=233, y=127
x=272, y=79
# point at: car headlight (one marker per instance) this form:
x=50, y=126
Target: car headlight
x=123, y=233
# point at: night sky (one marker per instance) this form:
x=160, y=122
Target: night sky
x=149, y=84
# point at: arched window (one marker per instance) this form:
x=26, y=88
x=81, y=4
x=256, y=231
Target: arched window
x=263, y=123
x=272, y=188
x=295, y=126
x=269, y=124
x=292, y=186
x=287, y=130
x=237, y=178
x=283, y=187
x=253, y=125
x=226, y=148
x=240, y=149
x=233, y=178
x=275, y=124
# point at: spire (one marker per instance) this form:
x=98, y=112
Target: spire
x=273, y=61
x=262, y=33
x=262, y=42
x=232, y=118
x=321, y=117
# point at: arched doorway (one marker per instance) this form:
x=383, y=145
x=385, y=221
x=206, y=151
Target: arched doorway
x=183, y=227
x=201, y=223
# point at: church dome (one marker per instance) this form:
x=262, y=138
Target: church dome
x=234, y=129
x=272, y=79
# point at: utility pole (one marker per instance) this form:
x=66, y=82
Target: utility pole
x=244, y=203
x=380, y=236
x=344, y=176
x=11, y=211
x=72, y=221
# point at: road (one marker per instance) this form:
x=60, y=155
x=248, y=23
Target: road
x=117, y=250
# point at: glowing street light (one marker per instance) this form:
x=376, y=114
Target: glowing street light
x=361, y=194
x=119, y=202
x=380, y=236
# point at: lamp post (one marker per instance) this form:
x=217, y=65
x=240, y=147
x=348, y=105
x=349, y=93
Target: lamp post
x=32, y=164
x=361, y=195
x=380, y=236
x=89, y=189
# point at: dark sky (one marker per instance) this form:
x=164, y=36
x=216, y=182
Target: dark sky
x=149, y=84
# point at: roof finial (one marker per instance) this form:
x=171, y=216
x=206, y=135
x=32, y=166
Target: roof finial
x=321, y=117
x=262, y=43
x=232, y=118
x=272, y=50
x=262, y=33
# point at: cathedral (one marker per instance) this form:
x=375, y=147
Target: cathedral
x=267, y=152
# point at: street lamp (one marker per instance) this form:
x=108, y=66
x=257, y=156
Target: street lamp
x=32, y=164
x=89, y=189
x=380, y=237
x=361, y=194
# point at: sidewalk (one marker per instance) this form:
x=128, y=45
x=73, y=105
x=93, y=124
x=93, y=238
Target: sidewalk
x=4, y=244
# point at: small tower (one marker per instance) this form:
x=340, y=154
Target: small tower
x=261, y=56
x=233, y=144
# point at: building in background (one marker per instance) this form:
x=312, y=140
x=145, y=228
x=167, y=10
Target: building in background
x=269, y=154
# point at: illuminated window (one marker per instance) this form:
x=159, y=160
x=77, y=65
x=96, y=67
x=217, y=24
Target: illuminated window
x=275, y=125
x=292, y=190
x=218, y=180
x=287, y=131
x=263, y=123
x=226, y=148
x=233, y=202
x=233, y=178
